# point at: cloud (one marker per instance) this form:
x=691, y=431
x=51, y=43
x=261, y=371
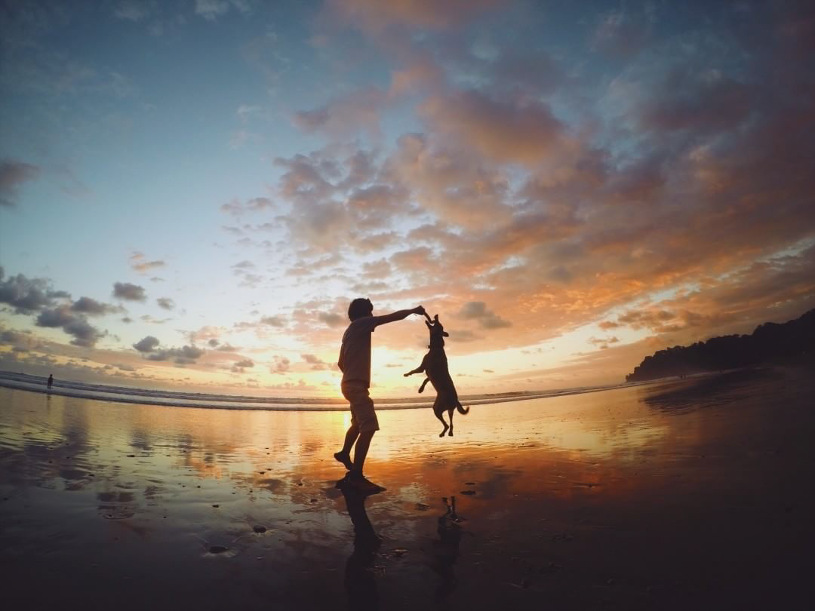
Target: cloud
x=139, y=263
x=661, y=185
x=241, y=365
x=211, y=10
x=84, y=334
x=165, y=303
x=55, y=317
x=226, y=348
x=688, y=100
x=86, y=305
x=186, y=355
x=506, y=131
x=28, y=296
x=650, y=319
x=129, y=292
x=131, y=10
x=316, y=363
x=621, y=34
x=360, y=110
x=12, y=175
x=375, y=15
x=150, y=319
x=420, y=74
x=477, y=310
x=147, y=344
x=272, y=321
x=279, y=364
x=777, y=289
x=573, y=228
x=330, y=197
x=242, y=271
x=256, y=204
x=448, y=181
x=531, y=72
x=331, y=319
x=13, y=338
x=246, y=110
x=149, y=347
x=233, y=207
x=603, y=343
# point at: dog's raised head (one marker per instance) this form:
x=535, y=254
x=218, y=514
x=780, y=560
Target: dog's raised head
x=437, y=332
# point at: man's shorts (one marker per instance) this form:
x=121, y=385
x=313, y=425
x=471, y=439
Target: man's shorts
x=363, y=415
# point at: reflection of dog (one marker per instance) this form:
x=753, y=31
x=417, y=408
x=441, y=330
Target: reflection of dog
x=434, y=364
x=446, y=548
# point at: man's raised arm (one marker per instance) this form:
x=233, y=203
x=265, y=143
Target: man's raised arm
x=399, y=315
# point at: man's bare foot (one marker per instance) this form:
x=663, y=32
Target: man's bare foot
x=345, y=459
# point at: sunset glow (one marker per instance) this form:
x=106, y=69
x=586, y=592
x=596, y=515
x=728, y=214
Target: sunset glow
x=192, y=192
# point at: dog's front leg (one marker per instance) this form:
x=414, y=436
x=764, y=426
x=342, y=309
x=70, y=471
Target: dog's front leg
x=419, y=369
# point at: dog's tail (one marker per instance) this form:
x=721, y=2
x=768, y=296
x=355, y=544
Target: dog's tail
x=462, y=410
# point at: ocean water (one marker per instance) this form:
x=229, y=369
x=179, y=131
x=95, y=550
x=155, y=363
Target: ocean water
x=143, y=396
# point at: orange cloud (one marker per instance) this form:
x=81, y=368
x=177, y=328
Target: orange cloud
x=376, y=15
x=523, y=131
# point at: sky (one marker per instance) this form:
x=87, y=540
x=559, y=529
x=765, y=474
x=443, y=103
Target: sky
x=192, y=191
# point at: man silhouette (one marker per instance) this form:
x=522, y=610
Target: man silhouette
x=355, y=364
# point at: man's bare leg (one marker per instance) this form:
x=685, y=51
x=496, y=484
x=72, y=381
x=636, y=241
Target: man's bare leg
x=344, y=455
x=355, y=476
x=361, y=451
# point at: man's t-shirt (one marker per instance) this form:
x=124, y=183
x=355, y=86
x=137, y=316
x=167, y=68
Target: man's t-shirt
x=355, y=352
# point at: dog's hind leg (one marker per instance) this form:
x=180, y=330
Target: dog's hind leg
x=450, y=415
x=444, y=430
x=439, y=411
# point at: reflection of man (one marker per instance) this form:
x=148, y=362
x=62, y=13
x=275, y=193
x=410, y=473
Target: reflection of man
x=360, y=581
x=446, y=548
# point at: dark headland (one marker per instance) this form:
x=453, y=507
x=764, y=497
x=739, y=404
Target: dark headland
x=771, y=343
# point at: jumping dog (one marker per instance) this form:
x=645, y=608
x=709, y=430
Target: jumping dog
x=434, y=365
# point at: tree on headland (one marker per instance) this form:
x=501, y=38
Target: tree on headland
x=769, y=343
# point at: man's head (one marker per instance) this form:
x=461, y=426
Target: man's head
x=360, y=308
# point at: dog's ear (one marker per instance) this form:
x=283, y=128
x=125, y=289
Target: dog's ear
x=436, y=319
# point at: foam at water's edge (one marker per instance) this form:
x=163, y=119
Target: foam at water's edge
x=213, y=401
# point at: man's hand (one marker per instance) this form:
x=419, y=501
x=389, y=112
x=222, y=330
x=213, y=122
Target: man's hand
x=420, y=311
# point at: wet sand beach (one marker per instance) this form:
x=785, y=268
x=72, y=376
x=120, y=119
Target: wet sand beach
x=683, y=494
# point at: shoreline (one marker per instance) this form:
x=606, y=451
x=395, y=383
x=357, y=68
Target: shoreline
x=138, y=396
